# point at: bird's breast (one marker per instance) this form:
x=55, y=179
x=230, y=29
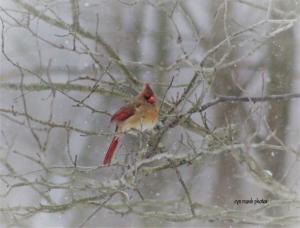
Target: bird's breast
x=145, y=118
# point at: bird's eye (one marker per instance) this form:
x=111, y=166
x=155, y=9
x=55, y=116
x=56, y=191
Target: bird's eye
x=146, y=97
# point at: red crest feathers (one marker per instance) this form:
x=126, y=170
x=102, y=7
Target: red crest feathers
x=147, y=90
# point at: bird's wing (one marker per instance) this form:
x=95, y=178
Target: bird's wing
x=123, y=113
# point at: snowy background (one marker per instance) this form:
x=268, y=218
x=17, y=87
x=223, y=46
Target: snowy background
x=67, y=65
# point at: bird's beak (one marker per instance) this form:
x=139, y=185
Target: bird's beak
x=152, y=100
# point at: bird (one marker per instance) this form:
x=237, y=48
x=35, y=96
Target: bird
x=139, y=115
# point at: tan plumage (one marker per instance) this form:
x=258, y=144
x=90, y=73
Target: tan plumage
x=142, y=114
x=144, y=118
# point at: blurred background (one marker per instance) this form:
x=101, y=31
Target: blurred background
x=68, y=65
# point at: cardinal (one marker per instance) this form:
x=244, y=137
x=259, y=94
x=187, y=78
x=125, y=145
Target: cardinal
x=141, y=114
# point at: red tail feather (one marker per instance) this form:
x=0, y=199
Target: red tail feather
x=111, y=150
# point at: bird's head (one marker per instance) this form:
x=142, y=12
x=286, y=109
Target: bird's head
x=147, y=95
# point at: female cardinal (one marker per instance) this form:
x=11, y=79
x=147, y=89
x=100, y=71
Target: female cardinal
x=141, y=114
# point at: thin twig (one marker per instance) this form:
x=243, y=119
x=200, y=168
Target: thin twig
x=233, y=99
x=95, y=211
x=188, y=195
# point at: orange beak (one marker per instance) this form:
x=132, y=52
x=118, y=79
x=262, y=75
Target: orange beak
x=152, y=100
